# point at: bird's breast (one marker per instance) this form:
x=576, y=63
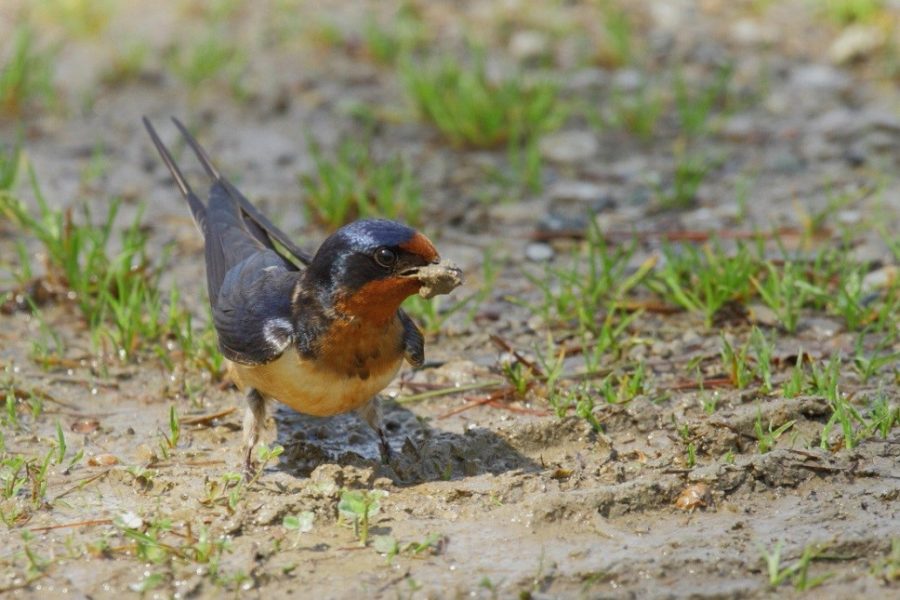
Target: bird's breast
x=354, y=362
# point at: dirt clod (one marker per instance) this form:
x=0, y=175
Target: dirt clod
x=441, y=278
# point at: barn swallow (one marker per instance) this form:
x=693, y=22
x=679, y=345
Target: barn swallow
x=323, y=336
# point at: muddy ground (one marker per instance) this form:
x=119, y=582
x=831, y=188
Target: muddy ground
x=668, y=494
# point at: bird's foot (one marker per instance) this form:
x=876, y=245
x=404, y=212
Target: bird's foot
x=249, y=470
x=384, y=448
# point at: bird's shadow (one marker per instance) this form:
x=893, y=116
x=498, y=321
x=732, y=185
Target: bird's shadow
x=420, y=452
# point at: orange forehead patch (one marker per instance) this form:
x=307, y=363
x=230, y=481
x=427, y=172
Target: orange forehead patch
x=378, y=301
x=421, y=246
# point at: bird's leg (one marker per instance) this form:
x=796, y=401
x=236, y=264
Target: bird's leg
x=253, y=422
x=372, y=414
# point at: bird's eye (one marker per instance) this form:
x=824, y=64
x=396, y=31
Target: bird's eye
x=385, y=257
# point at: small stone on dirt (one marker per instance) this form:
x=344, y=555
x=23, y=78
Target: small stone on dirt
x=85, y=425
x=881, y=279
x=576, y=191
x=539, y=252
x=819, y=78
x=103, y=460
x=856, y=42
x=693, y=497
x=528, y=45
x=567, y=147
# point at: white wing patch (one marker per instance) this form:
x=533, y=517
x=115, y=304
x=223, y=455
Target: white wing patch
x=278, y=332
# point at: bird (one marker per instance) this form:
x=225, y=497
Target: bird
x=322, y=333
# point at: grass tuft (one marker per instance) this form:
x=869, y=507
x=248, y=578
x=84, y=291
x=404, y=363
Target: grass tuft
x=212, y=57
x=26, y=74
x=689, y=172
x=637, y=112
x=695, y=103
x=404, y=34
x=597, y=274
x=852, y=11
x=470, y=109
x=127, y=66
x=617, y=47
x=704, y=280
x=798, y=572
x=116, y=294
x=354, y=184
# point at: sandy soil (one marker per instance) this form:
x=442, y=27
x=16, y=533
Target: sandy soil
x=503, y=497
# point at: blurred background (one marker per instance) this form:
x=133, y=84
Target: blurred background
x=532, y=121
x=484, y=101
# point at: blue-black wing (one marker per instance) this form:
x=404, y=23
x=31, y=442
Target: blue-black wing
x=256, y=222
x=413, y=341
x=250, y=283
x=252, y=312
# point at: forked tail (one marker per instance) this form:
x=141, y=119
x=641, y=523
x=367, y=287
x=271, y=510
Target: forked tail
x=198, y=210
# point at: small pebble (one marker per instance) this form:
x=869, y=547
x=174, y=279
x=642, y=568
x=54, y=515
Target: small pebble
x=557, y=222
x=819, y=78
x=576, y=191
x=659, y=439
x=855, y=42
x=566, y=147
x=694, y=496
x=822, y=328
x=628, y=80
x=103, y=460
x=528, y=45
x=587, y=79
x=539, y=252
x=86, y=425
x=881, y=278
x=762, y=315
x=751, y=32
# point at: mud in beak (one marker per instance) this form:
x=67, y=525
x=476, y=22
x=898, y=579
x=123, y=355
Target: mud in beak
x=440, y=278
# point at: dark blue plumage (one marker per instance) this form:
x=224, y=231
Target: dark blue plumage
x=343, y=258
x=367, y=234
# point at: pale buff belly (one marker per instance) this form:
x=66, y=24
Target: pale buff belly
x=311, y=389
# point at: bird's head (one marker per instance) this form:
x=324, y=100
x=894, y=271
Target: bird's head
x=369, y=267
